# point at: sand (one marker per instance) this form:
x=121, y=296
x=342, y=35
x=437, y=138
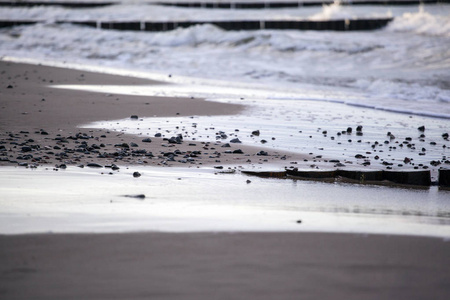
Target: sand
x=223, y=266
x=30, y=107
x=152, y=265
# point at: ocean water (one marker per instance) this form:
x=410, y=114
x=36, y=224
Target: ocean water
x=404, y=67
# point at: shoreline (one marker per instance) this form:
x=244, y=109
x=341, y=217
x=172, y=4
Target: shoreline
x=35, y=116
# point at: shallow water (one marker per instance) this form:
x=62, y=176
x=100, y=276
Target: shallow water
x=187, y=200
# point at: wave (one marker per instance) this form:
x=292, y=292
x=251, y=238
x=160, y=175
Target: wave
x=423, y=23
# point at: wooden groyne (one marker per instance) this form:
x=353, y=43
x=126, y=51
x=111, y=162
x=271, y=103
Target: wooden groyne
x=408, y=178
x=288, y=4
x=70, y=4
x=332, y=25
x=273, y=4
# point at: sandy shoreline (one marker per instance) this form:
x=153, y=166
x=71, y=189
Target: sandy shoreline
x=223, y=266
x=242, y=265
x=45, y=119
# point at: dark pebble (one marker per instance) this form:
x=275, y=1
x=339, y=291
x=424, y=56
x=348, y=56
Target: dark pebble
x=147, y=140
x=94, y=165
x=136, y=174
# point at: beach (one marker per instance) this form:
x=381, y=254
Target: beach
x=222, y=266
x=224, y=251
x=48, y=117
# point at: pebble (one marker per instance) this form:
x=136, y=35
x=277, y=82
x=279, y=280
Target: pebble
x=136, y=174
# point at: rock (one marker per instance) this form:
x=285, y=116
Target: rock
x=134, y=117
x=218, y=167
x=421, y=128
x=134, y=145
x=263, y=141
x=238, y=151
x=9, y=87
x=139, y=196
x=256, y=132
x=359, y=128
x=349, y=130
x=136, y=174
x=94, y=165
x=26, y=149
x=262, y=153
x=248, y=181
x=147, y=140
x=158, y=134
x=236, y=140
x=445, y=135
x=226, y=145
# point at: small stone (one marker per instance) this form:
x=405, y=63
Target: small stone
x=256, y=132
x=139, y=196
x=134, y=117
x=147, y=140
x=359, y=128
x=94, y=165
x=136, y=174
x=421, y=128
x=9, y=87
x=248, y=181
x=238, y=151
x=236, y=140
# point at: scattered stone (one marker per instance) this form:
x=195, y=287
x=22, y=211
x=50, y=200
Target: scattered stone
x=136, y=174
x=248, y=181
x=236, y=140
x=94, y=165
x=134, y=117
x=218, y=167
x=445, y=136
x=226, y=145
x=349, y=130
x=238, y=151
x=262, y=153
x=147, y=140
x=263, y=141
x=139, y=196
x=134, y=145
x=359, y=128
x=421, y=128
x=256, y=132
x=158, y=134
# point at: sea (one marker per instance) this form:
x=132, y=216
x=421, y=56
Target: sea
x=404, y=67
x=302, y=89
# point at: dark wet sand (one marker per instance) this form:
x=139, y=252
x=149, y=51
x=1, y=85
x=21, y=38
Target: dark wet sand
x=223, y=266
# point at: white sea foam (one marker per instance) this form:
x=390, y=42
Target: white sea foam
x=407, y=63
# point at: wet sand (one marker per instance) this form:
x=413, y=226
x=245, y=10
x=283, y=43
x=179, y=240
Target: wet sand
x=45, y=119
x=223, y=266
